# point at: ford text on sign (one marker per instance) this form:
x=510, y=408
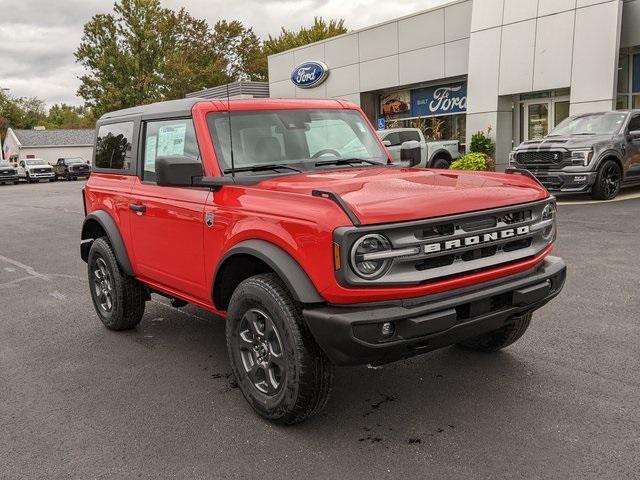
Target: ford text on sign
x=440, y=100
x=309, y=74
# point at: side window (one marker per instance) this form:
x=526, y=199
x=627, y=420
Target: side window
x=394, y=138
x=22, y=163
x=634, y=124
x=113, y=146
x=168, y=137
x=409, y=135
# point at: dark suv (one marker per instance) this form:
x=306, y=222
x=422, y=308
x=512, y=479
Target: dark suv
x=595, y=153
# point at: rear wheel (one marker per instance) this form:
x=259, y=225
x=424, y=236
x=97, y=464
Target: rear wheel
x=500, y=338
x=118, y=299
x=441, y=162
x=608, y=181
x=281, y=371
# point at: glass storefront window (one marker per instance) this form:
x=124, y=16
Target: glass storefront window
x=538, y=120
x=561, y=111
x=623, y=73
x=636, y=101
x=622, y=102
x=636, y=74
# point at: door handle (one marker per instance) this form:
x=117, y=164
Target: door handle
x=139, y=209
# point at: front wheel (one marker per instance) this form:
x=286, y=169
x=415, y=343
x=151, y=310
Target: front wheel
x=608, y=181
x=280, y=369
x=500, y=338
x=118, y=299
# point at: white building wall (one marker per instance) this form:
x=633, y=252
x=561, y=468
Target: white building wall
x=52, y=154
x=430, y=45
x=521, y=46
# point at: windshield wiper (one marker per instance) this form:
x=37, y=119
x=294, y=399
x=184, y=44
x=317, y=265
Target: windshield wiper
x=346, y=161
x=259, y=168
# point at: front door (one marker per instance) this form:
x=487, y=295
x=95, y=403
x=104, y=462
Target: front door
x=167, y=223
x=632, y=160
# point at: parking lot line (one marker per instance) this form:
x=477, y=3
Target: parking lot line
x=619, y=198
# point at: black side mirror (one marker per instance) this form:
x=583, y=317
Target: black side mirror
x=177, y=171
x=634, y=134
x=410, y=152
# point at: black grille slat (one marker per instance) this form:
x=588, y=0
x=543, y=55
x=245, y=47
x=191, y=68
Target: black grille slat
x=537, y=157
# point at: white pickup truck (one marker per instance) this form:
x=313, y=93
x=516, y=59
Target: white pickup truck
x=432, y=154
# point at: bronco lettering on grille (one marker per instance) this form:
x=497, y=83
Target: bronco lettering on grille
x=477, y=239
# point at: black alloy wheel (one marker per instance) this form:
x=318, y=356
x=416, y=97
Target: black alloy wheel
x=102, y=286
x=608, y=182
x=259, y=346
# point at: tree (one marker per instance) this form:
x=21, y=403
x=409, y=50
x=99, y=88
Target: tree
x=67, y=116
x=20, y=113
x=320, y=30
x=143, y=53
x=242, y=50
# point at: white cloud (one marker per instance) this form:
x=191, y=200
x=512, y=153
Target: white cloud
x=39, y=37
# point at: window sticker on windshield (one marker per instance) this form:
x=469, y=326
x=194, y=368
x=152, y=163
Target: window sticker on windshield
x=150, y=154
x=171, y=140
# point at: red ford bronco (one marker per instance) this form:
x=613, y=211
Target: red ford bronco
x=289, y=219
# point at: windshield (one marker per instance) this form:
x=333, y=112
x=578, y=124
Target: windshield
x=302, y=138
x=34, y=162
x=74, y=160
x=591, y=124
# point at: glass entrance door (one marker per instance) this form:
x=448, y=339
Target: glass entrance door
x=537, y=120
x=538, y=117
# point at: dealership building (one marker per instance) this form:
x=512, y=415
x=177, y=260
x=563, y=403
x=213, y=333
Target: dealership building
x=514, y=68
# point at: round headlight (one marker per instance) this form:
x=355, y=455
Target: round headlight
x=549, y=213
x=365, y=265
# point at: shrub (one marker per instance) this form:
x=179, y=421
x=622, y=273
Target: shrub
x=482, y=143
x=474, y=161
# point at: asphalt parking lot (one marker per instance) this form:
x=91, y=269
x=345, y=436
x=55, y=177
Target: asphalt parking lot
x=79, y=401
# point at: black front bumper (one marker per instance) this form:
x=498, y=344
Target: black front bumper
x=350, y=335
x=566, y=182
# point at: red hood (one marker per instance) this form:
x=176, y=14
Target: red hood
x=389, y=194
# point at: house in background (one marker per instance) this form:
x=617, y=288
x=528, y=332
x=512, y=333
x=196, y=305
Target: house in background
x=50, y=145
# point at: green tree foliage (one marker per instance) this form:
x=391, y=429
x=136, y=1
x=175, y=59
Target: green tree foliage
x=288, y=39
x=482, y=143
x=143, y=53
x=31, y=112
x=241, y=49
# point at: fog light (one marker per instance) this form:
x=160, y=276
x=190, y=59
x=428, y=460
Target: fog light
x=388, y=329
x=581, y=178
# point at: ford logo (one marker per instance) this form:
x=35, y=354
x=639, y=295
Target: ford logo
x=309, y=74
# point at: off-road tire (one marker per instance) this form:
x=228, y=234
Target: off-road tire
x=500, y=338
x=16, y=182
x=441, y=163
x=128, y=295
x=601, y=190
x=309, y=375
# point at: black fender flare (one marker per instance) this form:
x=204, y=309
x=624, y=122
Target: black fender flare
x=113, y=233
x=607, y=154
x=283, y=264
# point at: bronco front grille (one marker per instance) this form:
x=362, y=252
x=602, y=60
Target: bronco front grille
x=451, y=246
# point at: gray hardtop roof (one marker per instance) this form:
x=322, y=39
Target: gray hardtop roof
x=168, y=108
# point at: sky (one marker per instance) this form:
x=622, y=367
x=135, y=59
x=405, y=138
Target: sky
x=39, y=37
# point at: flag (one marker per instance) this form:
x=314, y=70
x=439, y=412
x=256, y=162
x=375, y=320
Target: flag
x=5, y=151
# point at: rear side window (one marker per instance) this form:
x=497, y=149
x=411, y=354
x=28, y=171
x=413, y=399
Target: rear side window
x=113, y=146
x=409, y=135
x=165, y=138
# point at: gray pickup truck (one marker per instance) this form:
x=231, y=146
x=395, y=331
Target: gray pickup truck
x=596, y=153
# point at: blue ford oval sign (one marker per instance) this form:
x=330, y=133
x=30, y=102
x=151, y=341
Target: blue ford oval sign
x=309, y=74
